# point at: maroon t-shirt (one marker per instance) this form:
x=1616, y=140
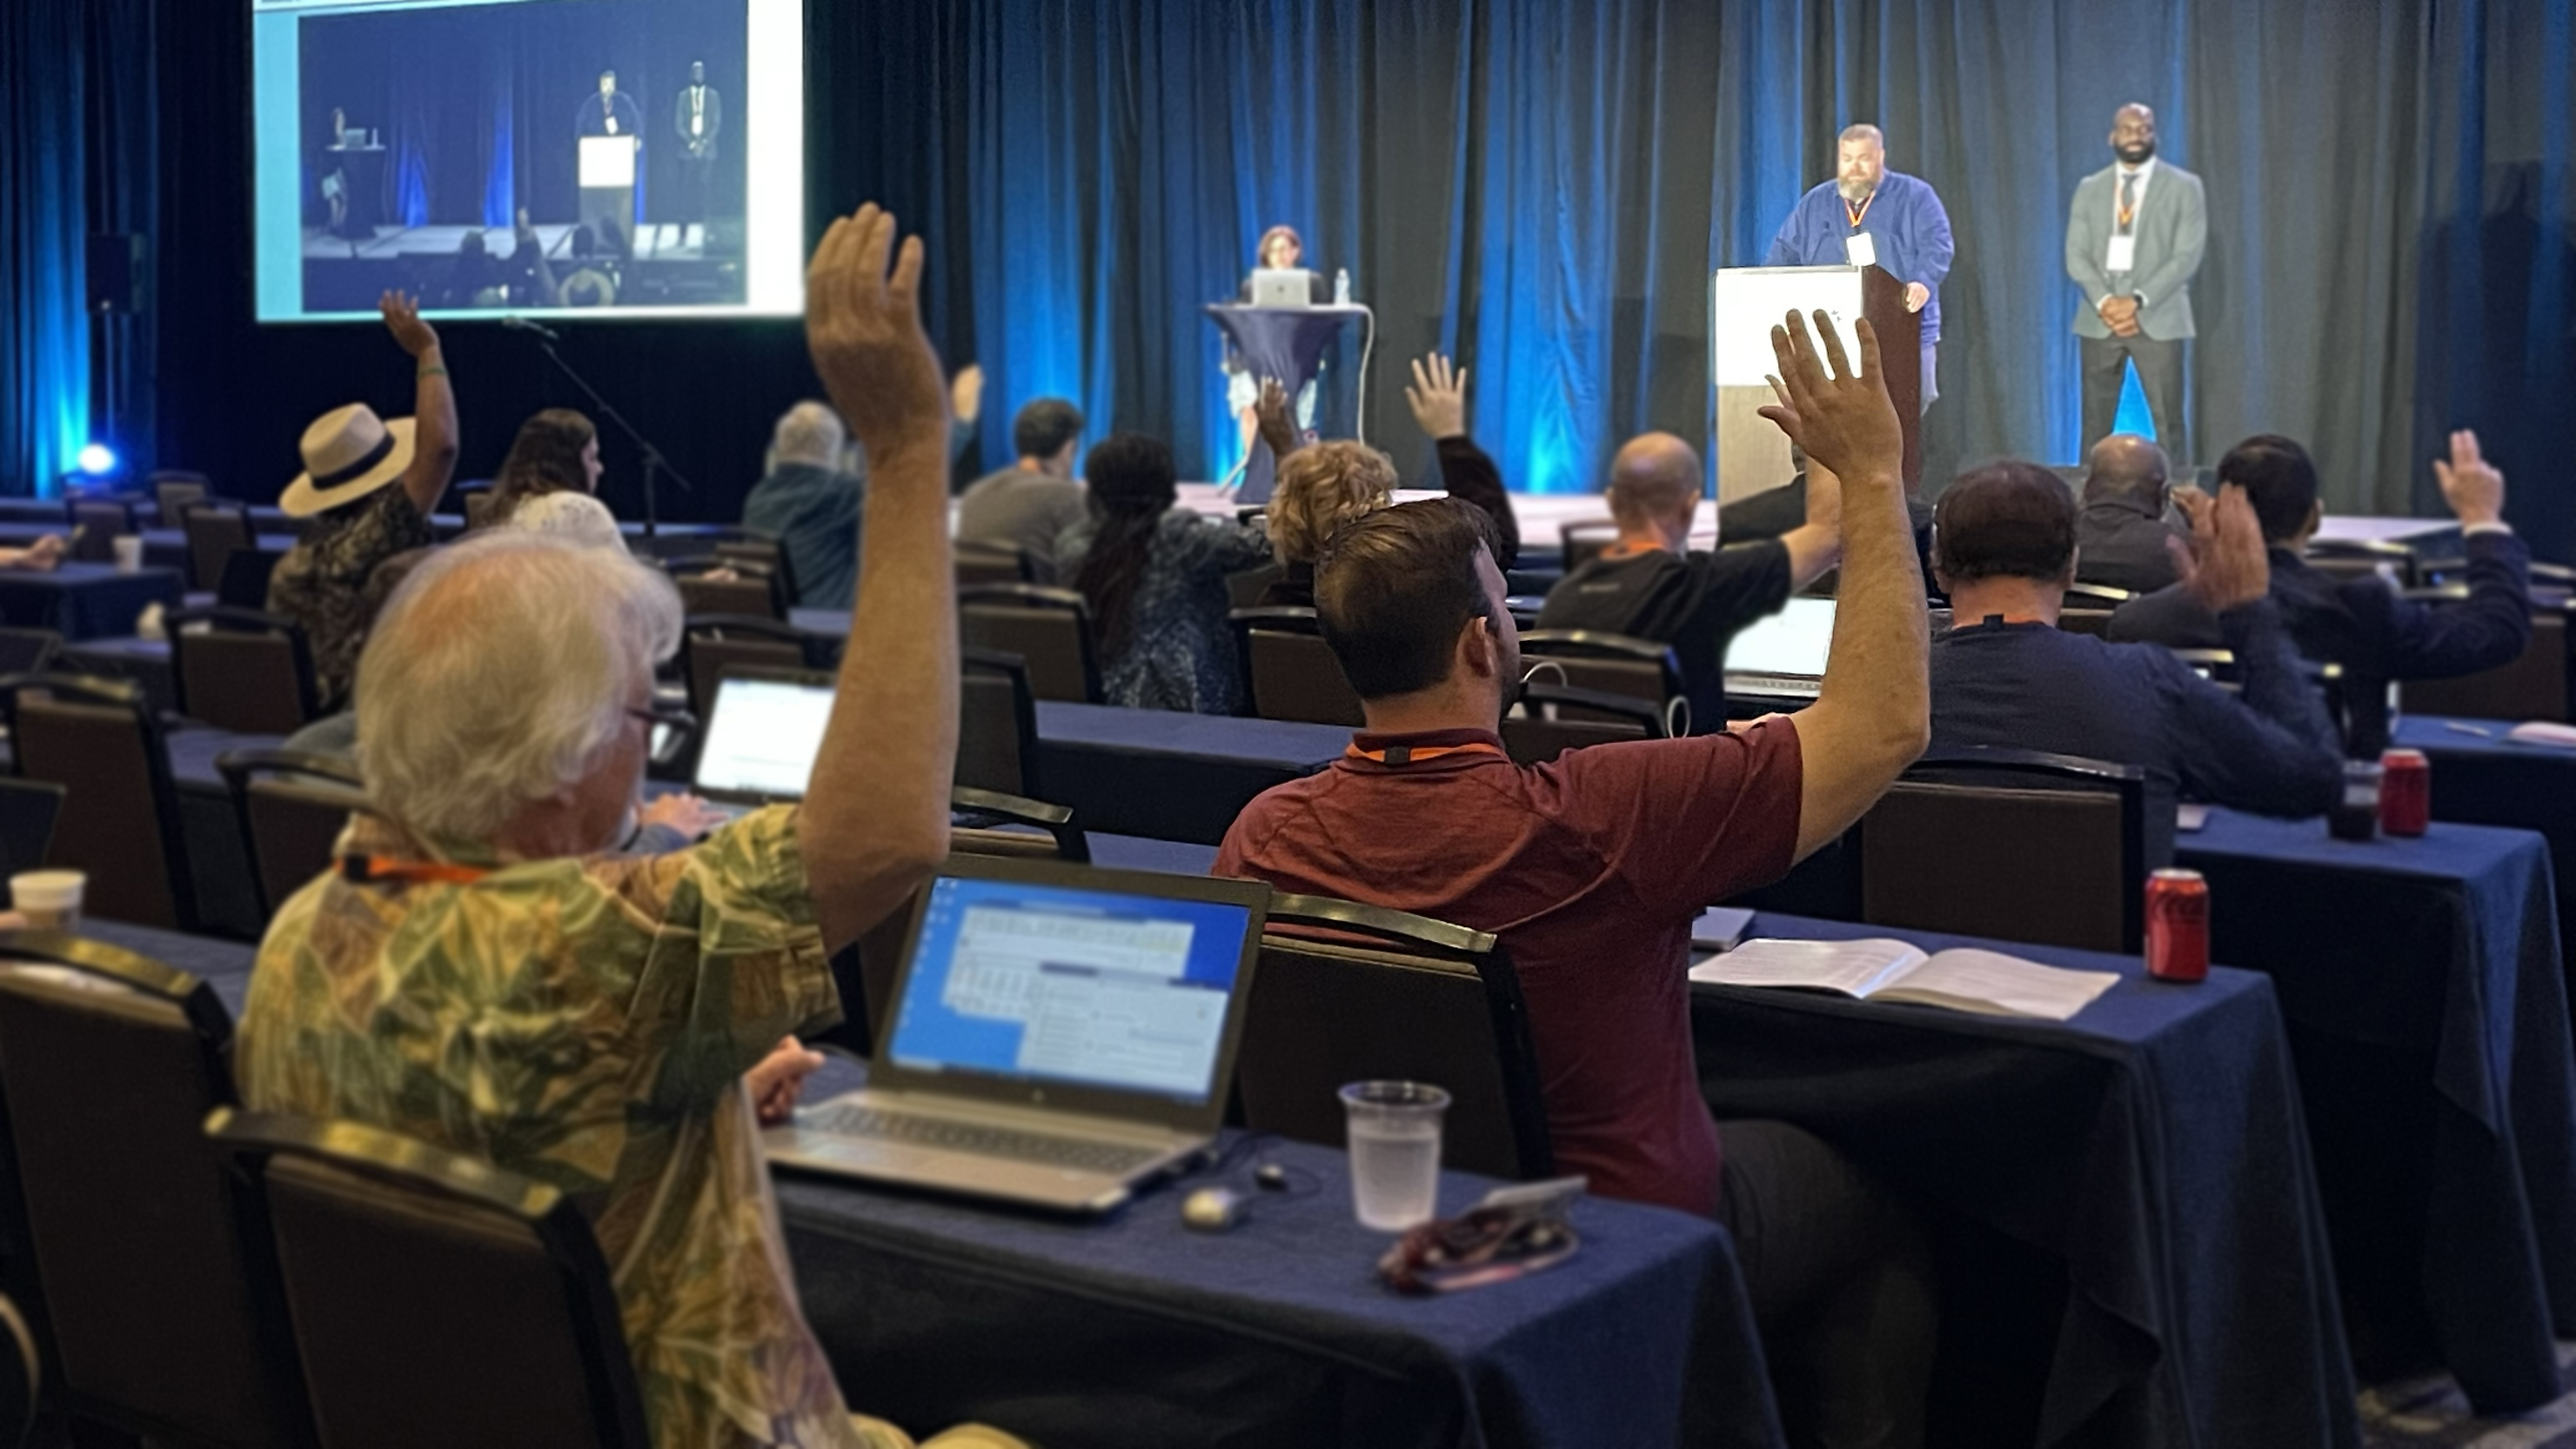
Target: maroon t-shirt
x=1591, y=869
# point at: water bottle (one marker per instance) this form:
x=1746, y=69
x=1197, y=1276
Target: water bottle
x=1342, y=287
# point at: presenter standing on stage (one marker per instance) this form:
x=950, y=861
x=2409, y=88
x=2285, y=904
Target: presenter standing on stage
x=1280, y=250
x=2133, y=243
x=696, y=119
x=610, y=113
x=1871, y=216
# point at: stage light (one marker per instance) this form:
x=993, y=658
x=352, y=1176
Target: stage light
x=98, y=460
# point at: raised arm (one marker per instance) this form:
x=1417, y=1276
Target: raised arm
x=2493, y=626
x=1816, y=545
x=2273, y=750
x=875, y=818
x=1873, y=712
x=433, y=458
x=1438, y=398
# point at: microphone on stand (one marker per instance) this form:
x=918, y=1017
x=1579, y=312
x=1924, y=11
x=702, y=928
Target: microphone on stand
x=522, y=324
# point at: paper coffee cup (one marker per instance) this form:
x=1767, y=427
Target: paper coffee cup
x=49, y=899
x=129, y=554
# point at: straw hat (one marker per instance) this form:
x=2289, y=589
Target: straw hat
x=348, y=453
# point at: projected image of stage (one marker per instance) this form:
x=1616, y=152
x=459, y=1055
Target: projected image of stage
x=526, y=155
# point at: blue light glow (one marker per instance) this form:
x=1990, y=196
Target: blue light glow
x=98, y=460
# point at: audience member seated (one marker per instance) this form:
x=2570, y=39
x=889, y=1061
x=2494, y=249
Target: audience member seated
x=358, y=522
x=1029, y=505
x=2007, y=677
x=1155, y=577
x=1651, y=584
x=648, y=1002
x=2122, y=540
x=810, y=498
x=2363, y=624
x=1592, y=869
x=1777, y=512
x=550, y=482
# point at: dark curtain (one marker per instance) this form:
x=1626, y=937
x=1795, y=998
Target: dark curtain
x=1543, y=187
x=44, y=334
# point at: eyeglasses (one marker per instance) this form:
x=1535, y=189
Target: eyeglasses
x=666, y=731
x=668, y=718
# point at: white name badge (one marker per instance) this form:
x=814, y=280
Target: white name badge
x=1860, y=250
x=612, y=125
x=2123, y=257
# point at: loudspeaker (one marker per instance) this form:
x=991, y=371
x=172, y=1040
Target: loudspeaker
x=116, y=272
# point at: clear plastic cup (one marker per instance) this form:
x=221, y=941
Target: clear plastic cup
x=1395, y=1152
x=129, y=553
x=49, y=899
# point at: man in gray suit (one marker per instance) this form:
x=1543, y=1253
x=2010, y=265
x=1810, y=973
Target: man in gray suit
x=2133, y=243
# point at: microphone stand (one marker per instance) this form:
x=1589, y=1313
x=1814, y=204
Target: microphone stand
x=654, y=463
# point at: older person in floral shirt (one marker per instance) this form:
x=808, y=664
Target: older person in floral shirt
x=489, y=978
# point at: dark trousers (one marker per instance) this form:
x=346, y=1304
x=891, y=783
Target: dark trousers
x=697, y=187
x=2159, y=377
x=1841, y=1279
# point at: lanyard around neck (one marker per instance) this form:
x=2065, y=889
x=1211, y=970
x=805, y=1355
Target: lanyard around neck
x=1414, y=755
x=388, y=870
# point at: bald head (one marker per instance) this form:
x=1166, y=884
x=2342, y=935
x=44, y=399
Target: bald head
x=2126, y=468
x=1654, y=484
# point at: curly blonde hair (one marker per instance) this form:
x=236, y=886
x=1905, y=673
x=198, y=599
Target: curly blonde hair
x=1321, y=487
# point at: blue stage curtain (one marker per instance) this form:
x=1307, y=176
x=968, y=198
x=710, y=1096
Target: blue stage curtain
x=44, y=333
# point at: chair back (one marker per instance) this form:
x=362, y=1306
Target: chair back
x=1350, y=992
x=98, y=739
x=436, y=1299
x=1585, y=538
x=215, y=531
x=1617, y=664
x=96, y=525
x=2081, y=595
x=2532, y=686
x=241, y=670
x=1554, y=718
x=137, y=1277
x=1292, y=671
x=1049, y=628
x=173, y=490
x=292, y=807
x=710, y=644
x=2013, y=844
x=28, y=810
x=474, y=500
x=760, y=553
x=2354, y=558
x=747, y=593
x=997, y=725
x=865, y=974
x=986, y=562
x=2096, y=622
x=244, y=582
x=28, y=651
x=1244, y=587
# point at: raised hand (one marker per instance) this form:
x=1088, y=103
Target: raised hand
x=402, y=318
x=864, y=330
x=966, y=393
x=1840, y=415
x=1270, y=411
x=2470, y=484
x=2224, y=566
x=1438, y=397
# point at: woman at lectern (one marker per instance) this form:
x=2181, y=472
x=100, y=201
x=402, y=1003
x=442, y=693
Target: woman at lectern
x=1281, y=250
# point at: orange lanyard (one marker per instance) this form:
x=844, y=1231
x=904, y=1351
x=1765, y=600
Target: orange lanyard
x=1857, y=212
x=2127, y=212
x=384, y=869
x=1407, y=755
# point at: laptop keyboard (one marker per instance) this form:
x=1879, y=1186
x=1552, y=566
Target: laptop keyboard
x=853, y=1119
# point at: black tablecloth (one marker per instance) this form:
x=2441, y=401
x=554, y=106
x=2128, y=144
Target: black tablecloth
x=2421, y=981
x=82, y=600
x=2164, y=1276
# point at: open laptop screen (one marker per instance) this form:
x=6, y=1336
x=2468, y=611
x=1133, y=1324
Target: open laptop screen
x=762, y=737
x=1790, y=644
x=1098, y=988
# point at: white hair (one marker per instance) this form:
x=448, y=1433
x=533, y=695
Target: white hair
x=809, y=433
x=499, y=673
x=1862, y=131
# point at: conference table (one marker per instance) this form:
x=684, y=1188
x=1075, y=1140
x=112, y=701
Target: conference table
x=1277, y=1333
x=84, y=600
x=2482, y=777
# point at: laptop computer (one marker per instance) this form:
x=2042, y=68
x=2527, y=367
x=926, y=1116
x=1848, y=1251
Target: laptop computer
x=1283, y=287
x=762, y=734
x=1057, y=1034
x=1782, y=657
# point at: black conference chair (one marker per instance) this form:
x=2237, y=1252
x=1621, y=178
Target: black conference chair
x=760, y=553
x=292, y=807
x=96, y=525
x=987, y=562
x=1291, y=671
x=746, y=592
x=28, y=651
x=1616, y=664
x=391, y=1257
x=2081, y=595
x=1049, y=628
x=997, y=725
x=474, y=500
x=99, y=740
x=2363, y=558
x=141, y=1279
x=28, y=810
x=2531, y=687
x=1349, y=992
x=244, y=582
x=241, y=670
x=216, y=531
x=710, y=644
x=1554, y=718
x=2013, y=844
x=1583, y=540
x=173, y=489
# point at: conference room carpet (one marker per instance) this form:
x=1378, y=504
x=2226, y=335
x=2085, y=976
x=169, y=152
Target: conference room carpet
x=2429, y=1413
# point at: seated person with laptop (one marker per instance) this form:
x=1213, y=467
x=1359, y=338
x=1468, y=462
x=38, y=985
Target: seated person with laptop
x=483, y=975
x=1593, y=868
x=2363, y=624
x=1650, y=583
x=2007, y=677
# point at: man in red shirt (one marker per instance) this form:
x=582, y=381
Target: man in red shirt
x=1592, y=869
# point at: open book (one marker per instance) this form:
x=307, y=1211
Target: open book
x=1883, y=970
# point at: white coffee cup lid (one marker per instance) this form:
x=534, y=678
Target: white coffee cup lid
x=46, y=889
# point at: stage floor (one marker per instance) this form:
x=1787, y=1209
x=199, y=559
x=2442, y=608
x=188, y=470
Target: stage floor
x=654, y=241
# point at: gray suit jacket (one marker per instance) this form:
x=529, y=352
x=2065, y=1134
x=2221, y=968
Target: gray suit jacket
x=2172, y=228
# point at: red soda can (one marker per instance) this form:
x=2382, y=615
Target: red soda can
x=2405, y=792
x=2177, y=926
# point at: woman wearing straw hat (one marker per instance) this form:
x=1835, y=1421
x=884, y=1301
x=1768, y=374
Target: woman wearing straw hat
x=350, y=455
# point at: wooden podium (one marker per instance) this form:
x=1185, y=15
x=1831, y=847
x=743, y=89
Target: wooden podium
x=1744, y=304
